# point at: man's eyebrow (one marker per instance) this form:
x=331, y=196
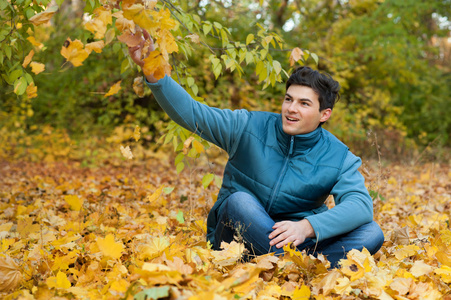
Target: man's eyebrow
x=302, y=99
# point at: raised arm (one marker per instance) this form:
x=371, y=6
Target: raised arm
x=221, y=127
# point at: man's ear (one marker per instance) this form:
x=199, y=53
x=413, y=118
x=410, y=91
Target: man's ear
x=325, y=115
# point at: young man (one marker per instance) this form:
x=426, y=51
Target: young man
x=280, y=171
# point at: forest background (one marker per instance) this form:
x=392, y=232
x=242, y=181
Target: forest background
x=102, y=196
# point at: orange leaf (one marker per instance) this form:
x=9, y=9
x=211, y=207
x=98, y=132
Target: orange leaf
x=123, y=24
x=114, y=89
x=32, y=91
x=9, y=273
x=130, y=39
x=27, y=59
x=35, y=43
x=74, y=52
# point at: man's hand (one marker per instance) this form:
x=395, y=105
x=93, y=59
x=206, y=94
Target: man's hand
x=286, y=232
x=138, y=56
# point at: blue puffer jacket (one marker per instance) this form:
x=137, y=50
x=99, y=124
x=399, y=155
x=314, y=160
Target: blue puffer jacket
x=290, y=175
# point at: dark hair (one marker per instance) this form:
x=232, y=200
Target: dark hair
x=322, y=83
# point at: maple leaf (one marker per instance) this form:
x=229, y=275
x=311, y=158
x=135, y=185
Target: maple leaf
x=301, y=293
x=419, y=268
x=32, y=91
x=155, y=247
x=138, y=86
x=230, y=254
x=406, y=251
x=26, y=227
x=43, y=17
x=179, y=265
x=27, y=59
x=75, y=202
x=10, y=275
x=126, y=152
x=109, y=247
x=445, y=273
x=296, y=54
x=114, y=89
x=74, y=52
x=95, y=46
x=36, y=67
x=58, y=281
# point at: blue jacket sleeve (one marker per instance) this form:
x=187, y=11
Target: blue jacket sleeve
x=220, y=127
x=353, y=205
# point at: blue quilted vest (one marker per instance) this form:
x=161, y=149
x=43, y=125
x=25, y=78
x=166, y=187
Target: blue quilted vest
x=291, y=176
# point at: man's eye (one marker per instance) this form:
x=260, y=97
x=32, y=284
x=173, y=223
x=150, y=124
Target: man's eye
x=287, y=99
x=305, y=103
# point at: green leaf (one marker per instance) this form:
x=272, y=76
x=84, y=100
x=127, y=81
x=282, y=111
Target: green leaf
x=217, y=25
x=315, y=57
x=168, y=190
x=207, y=179
x=180, y=166
x=7, y=50
x=277, y=66
x=207, y=28
x=179, y=217
x=190, y=81
x=125, y=65
x=15, y=74
x=179, y=158
x=250, y=38
x=153, y=293
x=20, y=85
x=3, y=4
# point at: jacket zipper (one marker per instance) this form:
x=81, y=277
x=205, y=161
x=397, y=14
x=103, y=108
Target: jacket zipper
x=281, y=174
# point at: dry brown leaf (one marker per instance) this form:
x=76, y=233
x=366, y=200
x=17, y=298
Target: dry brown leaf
x=10, y=275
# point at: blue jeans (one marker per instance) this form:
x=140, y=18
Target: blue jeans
x=243, y=216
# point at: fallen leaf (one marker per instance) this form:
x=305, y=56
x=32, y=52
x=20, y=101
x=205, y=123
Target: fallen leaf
x=10, y=275
x=126, y=152
x=110, y=247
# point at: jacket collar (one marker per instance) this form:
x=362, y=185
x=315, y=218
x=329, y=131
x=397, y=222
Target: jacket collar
x=302, y=142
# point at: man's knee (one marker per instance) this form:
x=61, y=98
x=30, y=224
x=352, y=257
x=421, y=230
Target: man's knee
x=374, y=237
x=240, y=203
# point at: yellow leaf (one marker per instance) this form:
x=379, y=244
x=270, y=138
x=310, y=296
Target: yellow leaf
x=32, y=91
x=194, y=38
x=230, y=254
x=27, y=59
x=123, y=24
x=156, y=65
x=114, y=89
x=10, y=275
x=95, y=46
x=406, y=251
x=43, y=17
x=419, y=268
x=138, y=86
x=109, y=247
x=75, y=203
x=445, y=273
x=154, y=248
x=126, y=152
x=37, y=67
x=167, y=44
x=98, y=24
x=296, y=54
x=26, y=227
x=302, y=293
x=74, y=52
x=155, y=195
x=165, y=22
x=401, y=285
x=187, y=144
x=35, y=43
x=137, y=133
x=198, y=146
x=60, y=281
x=140, y=15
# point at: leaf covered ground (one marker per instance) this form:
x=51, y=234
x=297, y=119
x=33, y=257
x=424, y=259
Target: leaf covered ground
x=127, y=230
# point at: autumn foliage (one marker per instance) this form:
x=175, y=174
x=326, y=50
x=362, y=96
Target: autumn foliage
x=135, y=229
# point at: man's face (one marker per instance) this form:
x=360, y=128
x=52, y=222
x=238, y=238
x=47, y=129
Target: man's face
x=300, y=110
